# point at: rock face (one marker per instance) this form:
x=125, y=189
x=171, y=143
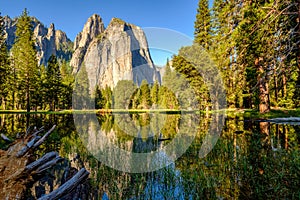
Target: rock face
x=120, y=52
x=93, y=27
x=48, y=40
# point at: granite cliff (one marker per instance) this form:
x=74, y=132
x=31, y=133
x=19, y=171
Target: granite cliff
x=48, y=40
x=119, y=52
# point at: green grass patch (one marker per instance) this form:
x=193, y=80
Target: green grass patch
x=35, y=112
x=274, y=113
x=247, y=113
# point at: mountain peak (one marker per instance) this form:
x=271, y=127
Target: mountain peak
x=92, y=28
x=45, y=39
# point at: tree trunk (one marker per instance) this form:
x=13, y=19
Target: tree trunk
x=276, y=87
x=27, y=99
x=284, y=92
x=264, y=99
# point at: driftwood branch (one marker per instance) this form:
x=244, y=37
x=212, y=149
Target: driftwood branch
x=68, y=186
x=46, y=158
x=38, y=143
x=5, y=138
x=35, y=142
x=17, y=171
x=48, y=165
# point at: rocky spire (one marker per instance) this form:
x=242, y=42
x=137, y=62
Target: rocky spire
x=119, y=53
x=46, y=41
x=92, y=28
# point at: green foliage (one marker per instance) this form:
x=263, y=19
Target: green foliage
x=53, y=83
x=167, y=99
x=5, y=70
x=81, y=94
x=203, y=25
x=154, y=94
x=226, y=17
x=122, y=94
x=24, y=61
x=67, y=86
x=145, y=98
x=107, y=98
x=190, y=83
x=254, y=45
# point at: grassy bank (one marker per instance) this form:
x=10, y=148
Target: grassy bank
x=274, y=113
x=248, y=113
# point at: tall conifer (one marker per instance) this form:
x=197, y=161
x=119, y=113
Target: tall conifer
x=24, y=60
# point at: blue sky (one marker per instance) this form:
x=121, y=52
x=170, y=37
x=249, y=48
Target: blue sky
x=70, y=16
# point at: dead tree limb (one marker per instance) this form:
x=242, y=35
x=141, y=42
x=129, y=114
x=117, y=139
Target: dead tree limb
x=17, y=171
x=67, y=187
x=5, y=138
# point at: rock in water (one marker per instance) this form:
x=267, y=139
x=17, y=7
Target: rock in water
x=120, y=52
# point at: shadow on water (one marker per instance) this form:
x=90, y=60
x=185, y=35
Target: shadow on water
x=251, y=160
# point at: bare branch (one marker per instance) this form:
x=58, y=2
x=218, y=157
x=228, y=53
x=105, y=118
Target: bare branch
x=38, y=143
x=67, y=187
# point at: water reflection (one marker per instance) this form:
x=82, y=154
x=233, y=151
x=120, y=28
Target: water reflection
x=138, y=148
x=251, y=159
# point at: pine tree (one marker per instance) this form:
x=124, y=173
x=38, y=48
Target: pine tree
x=145, y=99
x=225, y=19
x=203, y=25
x=81, y=95
x=254, y=46
x=24, y=60
x=107, y=97
x=288, y=70
x=154, y=93
x=67, y=85
x=122, y=94
x=4, y=66
x=53, y=82
x=190, y=76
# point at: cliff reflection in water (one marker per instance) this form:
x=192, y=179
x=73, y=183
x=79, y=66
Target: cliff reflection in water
x=251, y=159
x=137, y=143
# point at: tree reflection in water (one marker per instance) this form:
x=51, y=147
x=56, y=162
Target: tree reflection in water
x=251, y=159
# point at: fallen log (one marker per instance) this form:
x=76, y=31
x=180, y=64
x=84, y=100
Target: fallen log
x=18, y=170
x=67, y=187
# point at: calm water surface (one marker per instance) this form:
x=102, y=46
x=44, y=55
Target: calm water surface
x=251, y=159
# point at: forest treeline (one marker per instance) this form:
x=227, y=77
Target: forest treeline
x=254, y=44
x=256, y=47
